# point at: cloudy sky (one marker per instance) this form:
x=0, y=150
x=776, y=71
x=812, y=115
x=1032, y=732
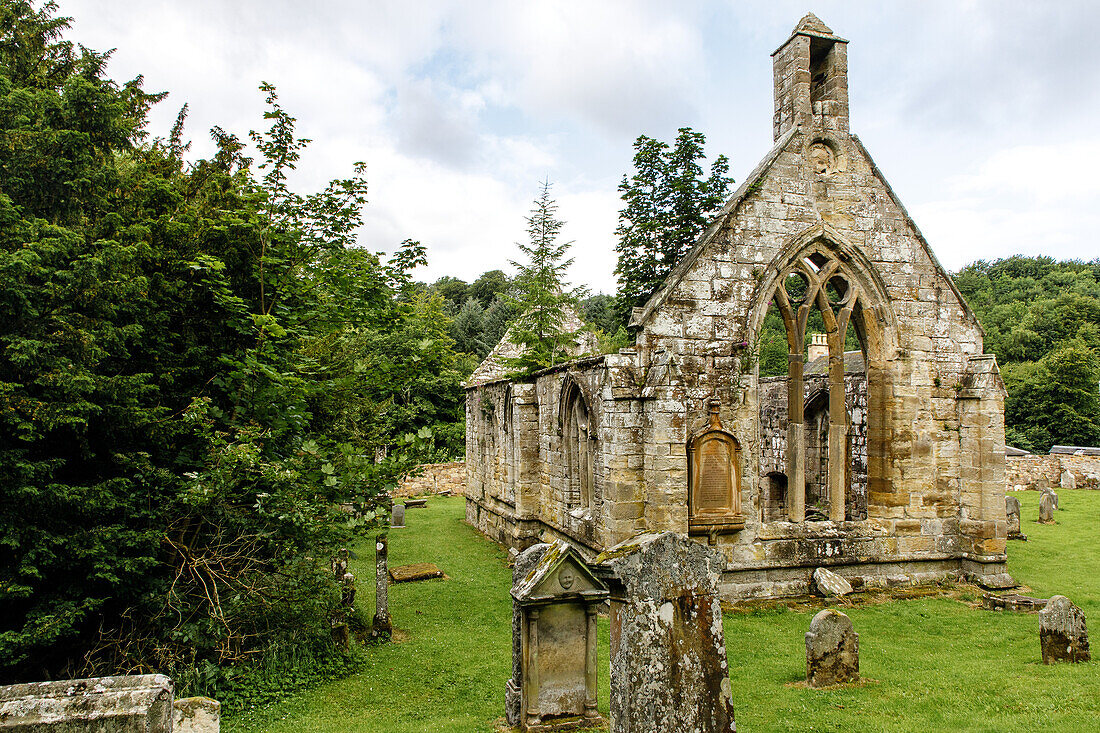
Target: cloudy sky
x=981, y=114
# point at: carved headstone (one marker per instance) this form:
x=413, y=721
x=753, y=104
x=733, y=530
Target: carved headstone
x=557, y=601
x=832, y=650
x=829, y=583
x=1067, y=480
x=668, y=653
x=1012, y=513
x=123, y=703
x=1046, y=509
x=524, y=563
x=714, y=479
x=1053, y=498
x=1062, y=633
x=397, y=516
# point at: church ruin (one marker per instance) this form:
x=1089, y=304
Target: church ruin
x=881, y=457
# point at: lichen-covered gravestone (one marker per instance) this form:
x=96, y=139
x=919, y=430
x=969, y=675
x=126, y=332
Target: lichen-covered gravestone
x=556, y=601
x=99, y=705
x=1046, y=509
x=381, y=624
x=668, y=653
x=1067, y=480
x=1062, y=633
x=525, y=562
x=1012, y=513
x=832, y=650
x=397, y=516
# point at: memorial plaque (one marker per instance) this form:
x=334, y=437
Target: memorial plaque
x=714, y=491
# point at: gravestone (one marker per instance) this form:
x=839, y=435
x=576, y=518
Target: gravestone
x=381, y=625
x=414, y=572
x=196, y=715
x=1012, y=513
x=524, y=563
x=668, y=653
x=1062, y=633
x=829, y=583
x=397, y=516
x=1053, y=498
x=100, y=705
x=1067, y=480
x=1046, y=509
x=832, y=650
x=556, y=601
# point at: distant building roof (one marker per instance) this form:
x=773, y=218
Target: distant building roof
x=1014, y=451
x=853, y=364
x=1071, y=450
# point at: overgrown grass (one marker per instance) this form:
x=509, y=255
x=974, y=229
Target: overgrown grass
x=928, y=664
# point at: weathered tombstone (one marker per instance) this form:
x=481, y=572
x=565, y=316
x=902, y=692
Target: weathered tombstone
x=1043, y=483
x=1062, y=633
x=1053, y=498
x=832, y=650
x=524, y=563
x=668, y=653
x=829, y=583
x=397, y=516
x=381, y=626
x=1012, y=513
x=1067, y=480
x=123, y=703
x=196, y=715
x=1046, y=509
x=556, y=601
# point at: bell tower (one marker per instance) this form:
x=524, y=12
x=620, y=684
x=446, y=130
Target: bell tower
x=811, y=79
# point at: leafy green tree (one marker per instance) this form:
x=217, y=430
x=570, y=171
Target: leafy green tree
x=489, y=286
x=542, y=299
x=667, y=206
x=453, y=290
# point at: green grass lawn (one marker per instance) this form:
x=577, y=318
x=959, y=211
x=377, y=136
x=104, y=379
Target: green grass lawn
x=929, y=664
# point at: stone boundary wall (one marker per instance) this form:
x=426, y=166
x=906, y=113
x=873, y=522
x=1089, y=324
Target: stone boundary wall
x=435, y=478
x=1027, y=470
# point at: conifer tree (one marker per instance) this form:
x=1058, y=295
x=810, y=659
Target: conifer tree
x=541, y=298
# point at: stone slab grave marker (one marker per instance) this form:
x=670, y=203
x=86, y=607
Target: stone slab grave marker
x=96, y=705
x=1046, y=509
x=668, y=654
x=1067, y=480
x=1012, y=513
x=416, y=571
x=554, y=606
x=397, y=516
x=829, y=583
x=416, y=503
x=832, y=650
x=1062, y=633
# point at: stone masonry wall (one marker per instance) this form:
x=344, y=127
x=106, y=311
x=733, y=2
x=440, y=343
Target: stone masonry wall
x=435, y=478
x=1026, y=470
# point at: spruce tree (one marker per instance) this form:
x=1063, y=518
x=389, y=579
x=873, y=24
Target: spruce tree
x=542, y=299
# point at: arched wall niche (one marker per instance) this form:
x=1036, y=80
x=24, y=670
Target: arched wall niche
x=818, y=270
x=578, y=435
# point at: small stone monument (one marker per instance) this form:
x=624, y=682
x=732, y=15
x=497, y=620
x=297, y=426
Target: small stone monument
x=832, y=650
x=1012, y=513
x=196, y=715
x=1067, y=481
x=122, y=703
x=397, y=516
x=668, y=653
x=1046, y=509
x=829, y=583
x=1062, y=633
x=554, y=662
x=381, y=625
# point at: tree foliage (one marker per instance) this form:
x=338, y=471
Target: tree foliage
x=667, y=206
x=541, y=298
x=196, y=374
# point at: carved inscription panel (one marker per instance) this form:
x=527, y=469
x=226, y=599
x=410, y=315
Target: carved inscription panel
x=714, y=476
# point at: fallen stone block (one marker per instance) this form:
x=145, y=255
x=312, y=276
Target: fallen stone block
x=829, y=583
x=122, y=704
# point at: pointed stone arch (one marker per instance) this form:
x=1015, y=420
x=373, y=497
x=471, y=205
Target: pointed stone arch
x=578, y=434
x=819, y=269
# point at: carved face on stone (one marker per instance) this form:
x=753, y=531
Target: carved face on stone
x=822, y=160
x=566, y=579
